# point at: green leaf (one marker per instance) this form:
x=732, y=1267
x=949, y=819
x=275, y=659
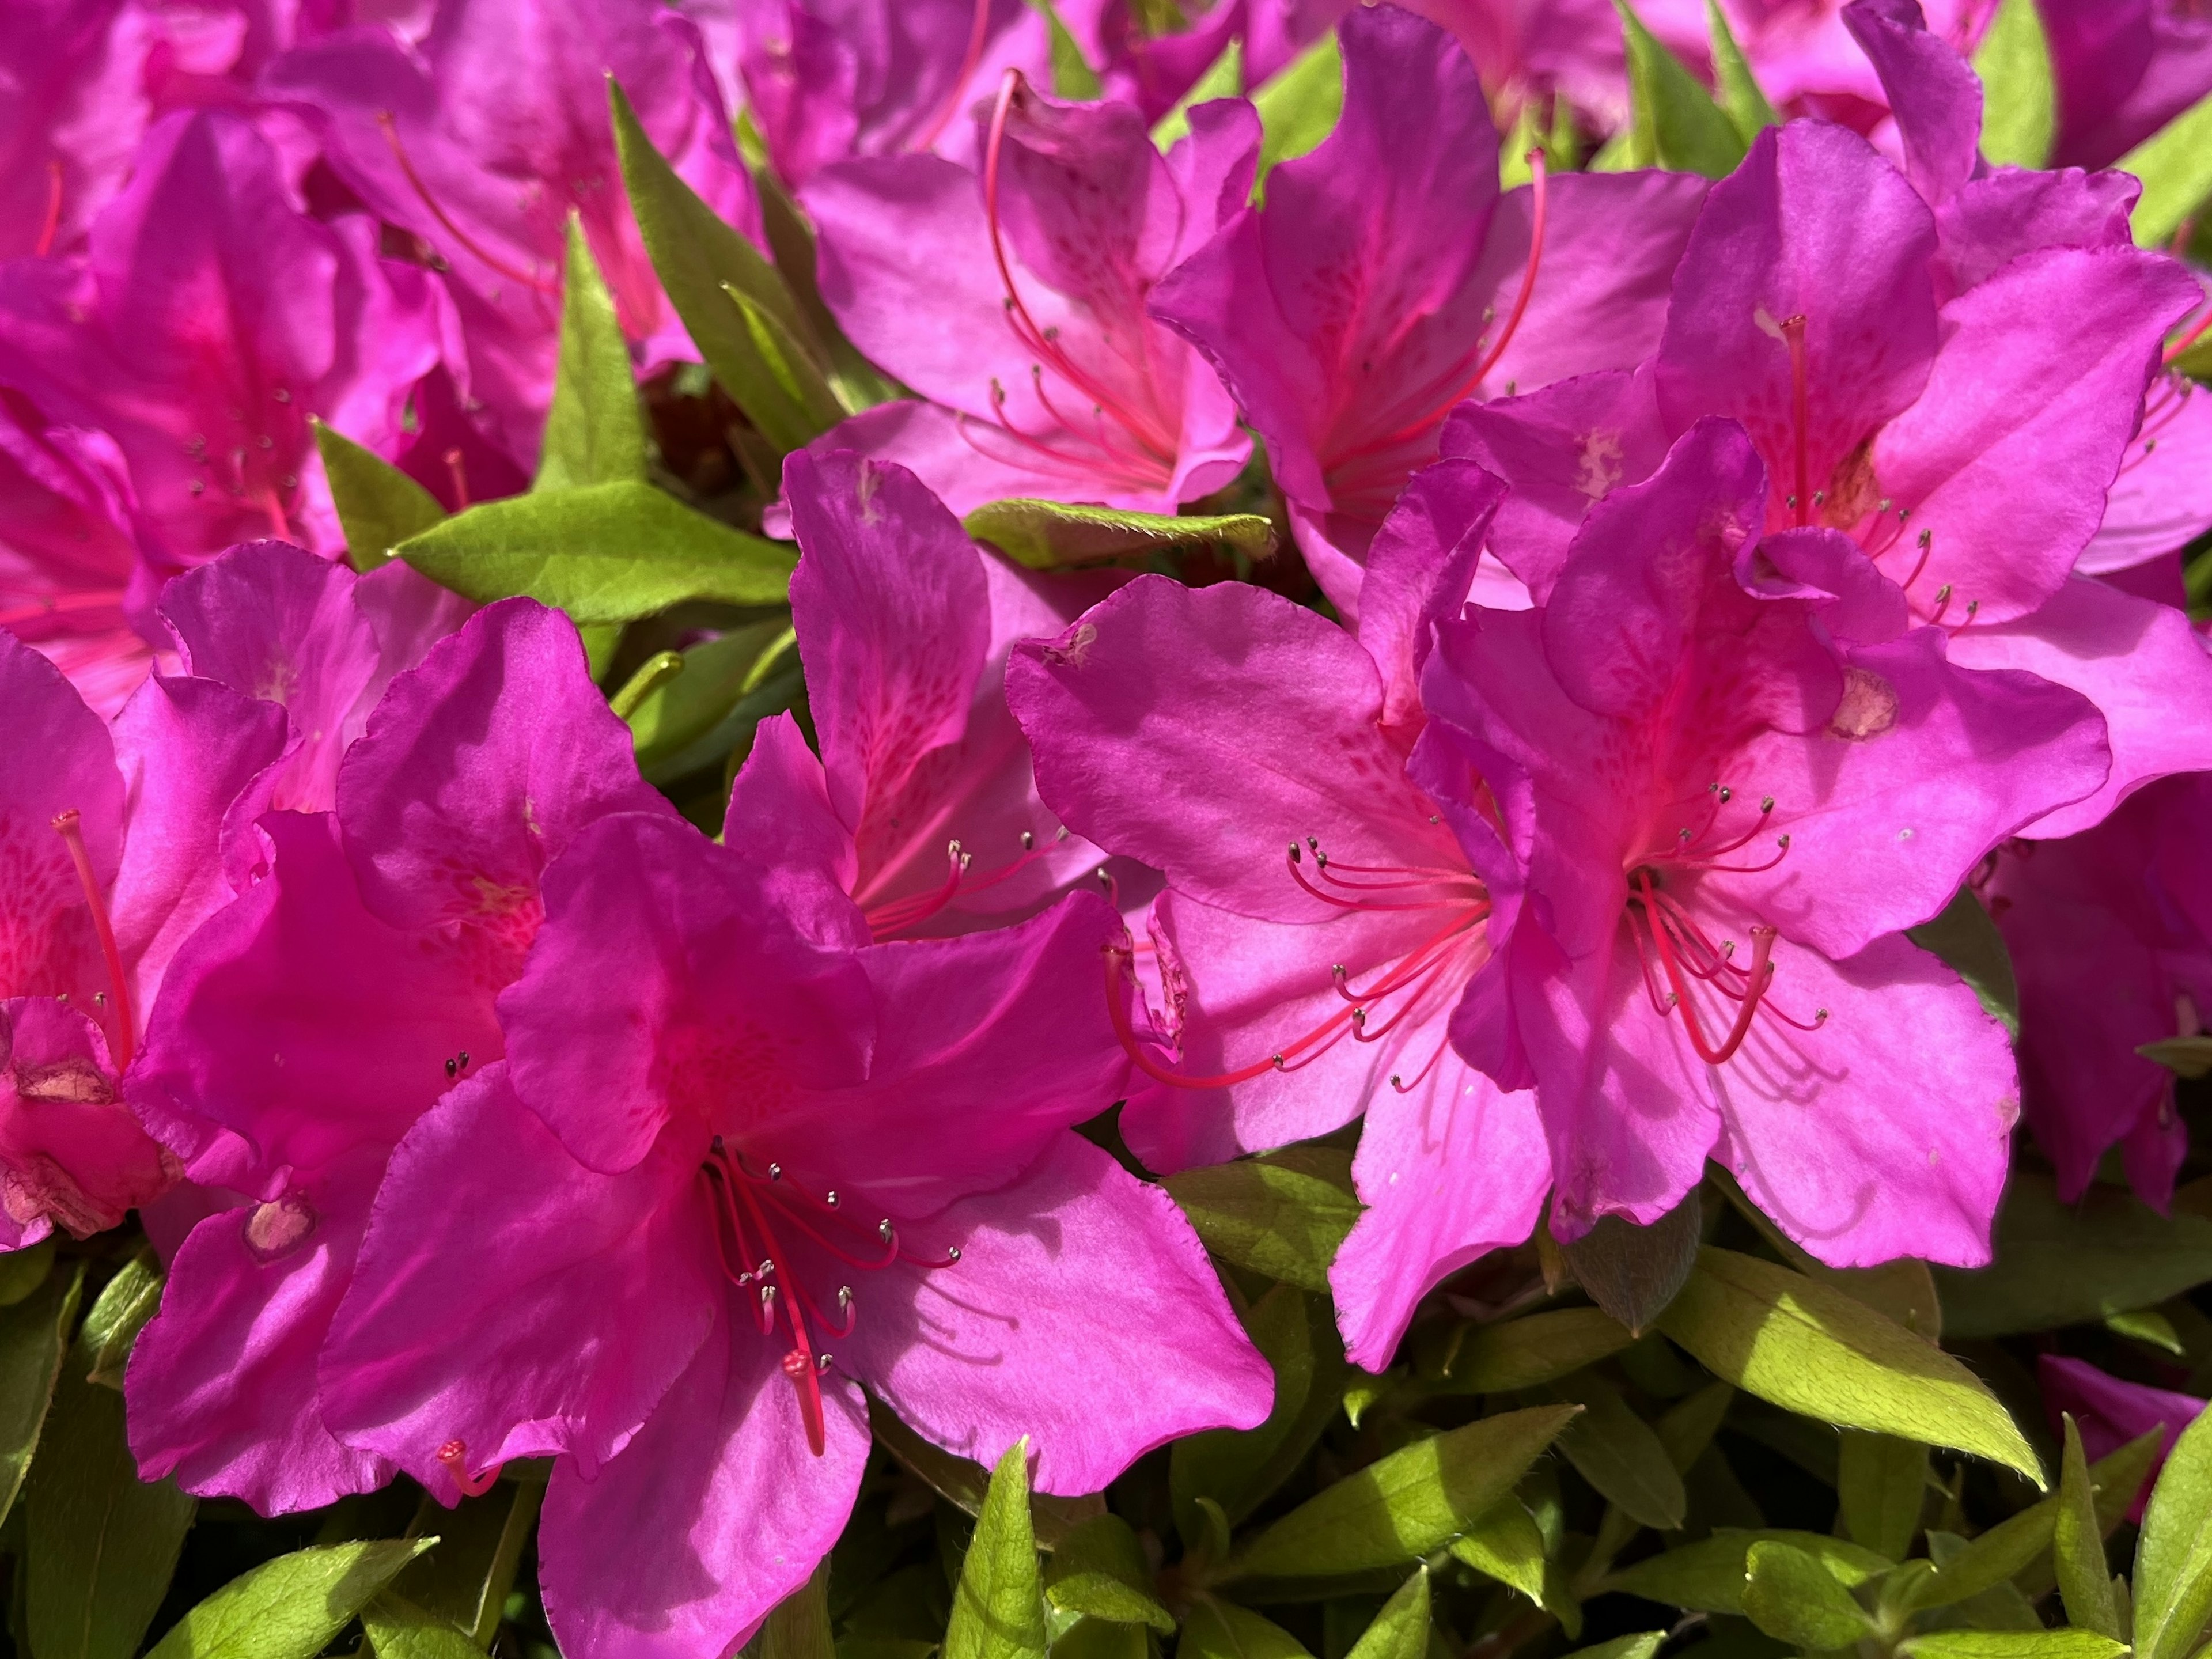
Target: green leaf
x=1099, y=1570
x=966, y=1485
x=2063, y=1264
x=2085, y=1581
x=2173, y=1556
x=117, y=1315
x=2148, y=1326
x=1073, y=78
x=290, y=1608
x=655, y=672
x=1525, y=1354
x=1297, y=1335
x=1962, y=935
x=1300, y=106
x=2012, y=1644
x=789, y=363
x=1689, y=1427
x=1811, y=1349
x=1401, y=1507
x=1741, y=99
x=799, y=1625
x=1620, y=1455
x=2183, y=1056
x=397, y=1629
x=101, y=1544
x=2175, y=165
x=594, y=433
x=1881, y=1482
x=2019, y=99
x=1224, y=78
x=1088, y=1638
x=1793, y=1597
x=1048, y=535
x=1222, y=1630
x=1677, y=124
x=379, y=506
x=1400, y=1630
x=34, y=1338
x=1505, y=1543
x=686, y=722
x=1709, y=1577
x=998, y=1611
x=1271, y=1218
x=465, y=1580
x=1632, y=1272
x=604, y=553
x=1644, y=1645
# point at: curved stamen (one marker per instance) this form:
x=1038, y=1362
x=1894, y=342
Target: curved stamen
x=454, y=1454
x=57, y=605
x=978, y=30
x=390, y=129
x=52, y=222
x=1793, y=333
x=1761, y=974
x=65, y=824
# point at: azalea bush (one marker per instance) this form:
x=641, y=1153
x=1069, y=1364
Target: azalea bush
x=995, y=829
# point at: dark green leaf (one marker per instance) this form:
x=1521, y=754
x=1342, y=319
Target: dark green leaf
x=1881, y=1482
x=728, y=686
x=594, y=433
x=34, y=1338
x=1400, y=1630
x=465, y=1580
x=1049, y=535
x=1677, y=124
x=379, y=506
x=1740, y=97
x=1962, y=935
x=117, y=1315
x=24, y=1271
x=1709, y=1577
x=2012, y=1644
x=2183, y=1056
x=2173, y=1556
x=798, y=1628
x=2084, y=1582
x=1299, y=1338
x=1406, y=1505
x=1525, y=1354
x=1300, y=106
x=1099, y=1570
x=101, y=1544
x=1093, y=1638
x=397, y=1629
x=1689, y=1427
x=1631, y=1272
x=1620, y=1453
x=2019, y=99
x=290, y=1608
x=1793, y=1597
x=1644, y=1645
x=1275, y=1220
x=965, y=1484
x=1505, y=1543
x=1813, y=1349
x=2175, y=165
x=605, y=553
x=1222, y=1630
x=998, y=1611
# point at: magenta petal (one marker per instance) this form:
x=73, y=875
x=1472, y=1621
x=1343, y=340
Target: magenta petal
x=779, y=817
x=1933, y=92
x=1418, y=571
x=2112, y=1413
x=1995, y=219
x=1076, y=1269
x=508, y=1297
x=712, y=1513
x=1448, y=1172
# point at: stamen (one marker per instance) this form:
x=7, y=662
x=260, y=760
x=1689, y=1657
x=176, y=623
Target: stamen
x=978, y=27
x=457, y=470
x=65, y=823
x=52, y=222
x=454, y=1454
x=54, y=605
x=384, y=120
x=1793, y=332
x=1760, y=974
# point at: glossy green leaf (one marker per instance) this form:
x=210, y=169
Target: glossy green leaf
x=1401, y=1507
x=1275, y=1221
x=1740, y=98
x=966, y=1485
x=998, y=1610
x=605, y=553
x=1222, y=1630
x=2077, y=1543
x=1299, y=108
x=1527, y=1353
x=397, y=1629
x=1400, y=1630
x=1297, y=1335
x=1099, y=1570
x=687, y=721
x=1623, y=1457
x=1224, y=78
x=1709, y=1577
x=2175, y=165
x=1813, y=1349
x=379, y=506
x=1882, y=1484
x=112, y=1325
x=1632, y=1273
x=1505, y=1542
x=1793, y=1597
x=594, y=432
x=1968, y=941
x=1677, y=124
x=2019, y=99
x=2012, y=1644
x=465, y=1580
x=101, y=1544
x=24, y=1271
x=290, y=1608
x=2173, y=1556
x=1048, y=535
x=2062, y=1264
x=33, y=1341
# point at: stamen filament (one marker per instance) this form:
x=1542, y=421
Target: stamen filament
x=1793, y=331
x=391, y=127
x=52, y=222
x=978, y=27
x=125, y=1034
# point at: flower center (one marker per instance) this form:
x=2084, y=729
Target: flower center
x=756, y=1217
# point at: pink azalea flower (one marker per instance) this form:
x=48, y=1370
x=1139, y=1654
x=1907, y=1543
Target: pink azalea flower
x=922, y=807
x=109, y=836
x=1014, y=304
x=830, y=79
x=1206, y=732
x=71, y=109
x=1387, y=278
x=709, y=1197
x=209, y=322
x=2111, y=933
x=1966, y=446
x=483, y=139
x=2110, y=1413
x=1692, y=975
x=2125, y=69
x=310, y=1022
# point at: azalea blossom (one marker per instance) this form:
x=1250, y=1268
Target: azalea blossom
x=2111, y=1412
x=2123, y=69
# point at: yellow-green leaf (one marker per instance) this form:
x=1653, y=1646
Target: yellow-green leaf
x=2019, y=99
